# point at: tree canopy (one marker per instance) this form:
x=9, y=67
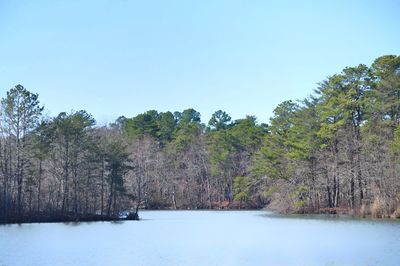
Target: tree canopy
x=336, y=150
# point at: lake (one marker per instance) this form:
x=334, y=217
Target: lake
x=205, y=238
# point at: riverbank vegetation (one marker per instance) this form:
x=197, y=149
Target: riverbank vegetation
x=336, y=151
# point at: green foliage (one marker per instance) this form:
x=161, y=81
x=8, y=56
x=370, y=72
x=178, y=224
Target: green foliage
x=283, y=117
x=41, y=140
x=395, y=143
x=219, y=120
x=21, y=110
x=226, y=145
x=241, y=188
x=299, y=196
x=142, y=124
x=166, y=126
x=163, y=127
x=385, y=98
x=74, y=124
x=315, y=153
x=221, y=146
x=271, y=160
x=290, y=139
x=248, y=133
x=117, y=166
x=269, y=191
x=385, y=66
x=189, y=117
x=187, y=130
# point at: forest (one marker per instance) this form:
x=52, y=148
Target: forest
x=336, y=151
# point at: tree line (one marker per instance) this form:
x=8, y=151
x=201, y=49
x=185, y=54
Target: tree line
x=335, y=151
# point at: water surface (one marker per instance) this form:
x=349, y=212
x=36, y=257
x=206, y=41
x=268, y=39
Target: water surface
x=204, y=238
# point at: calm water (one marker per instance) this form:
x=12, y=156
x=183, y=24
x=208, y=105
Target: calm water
x=204, y=238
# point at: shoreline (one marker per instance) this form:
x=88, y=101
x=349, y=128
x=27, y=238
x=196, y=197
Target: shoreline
x=66, y=218
x=69, y=218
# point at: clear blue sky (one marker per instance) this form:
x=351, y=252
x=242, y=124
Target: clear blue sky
x=121, y=57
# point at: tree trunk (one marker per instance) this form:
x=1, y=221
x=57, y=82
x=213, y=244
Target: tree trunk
x=66, y=173
x=102, y=186
x=110, y=198
x=39, y=186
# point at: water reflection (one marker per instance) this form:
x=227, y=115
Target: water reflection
x=205, y=238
